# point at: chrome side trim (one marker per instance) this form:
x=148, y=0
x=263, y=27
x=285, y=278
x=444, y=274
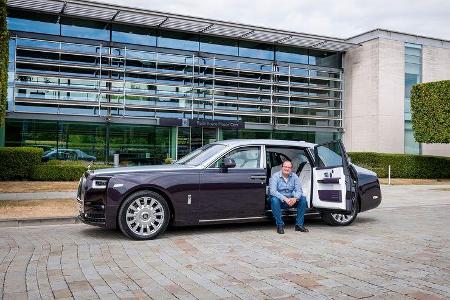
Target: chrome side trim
x=232, y=219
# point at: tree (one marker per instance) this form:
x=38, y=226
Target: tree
x=430, y=111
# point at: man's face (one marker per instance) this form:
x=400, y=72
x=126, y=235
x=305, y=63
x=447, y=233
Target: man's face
x=286, y=168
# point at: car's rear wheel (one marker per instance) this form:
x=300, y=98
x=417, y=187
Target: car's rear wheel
x=337, y=219
x=144, y=215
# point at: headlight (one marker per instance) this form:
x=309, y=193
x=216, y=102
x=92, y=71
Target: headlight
x=99, y=183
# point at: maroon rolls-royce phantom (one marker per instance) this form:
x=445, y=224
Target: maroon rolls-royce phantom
x=225, y=181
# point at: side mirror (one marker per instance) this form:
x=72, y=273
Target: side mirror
x=227, y=163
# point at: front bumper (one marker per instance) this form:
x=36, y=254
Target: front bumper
x=91, y=204
x=92, y=221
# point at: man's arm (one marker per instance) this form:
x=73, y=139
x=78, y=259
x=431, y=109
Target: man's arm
x=273, y=188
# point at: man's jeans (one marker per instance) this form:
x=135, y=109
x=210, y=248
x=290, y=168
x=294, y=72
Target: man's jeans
x=277, y=205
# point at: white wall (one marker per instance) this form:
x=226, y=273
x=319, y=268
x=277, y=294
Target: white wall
x=374, y=96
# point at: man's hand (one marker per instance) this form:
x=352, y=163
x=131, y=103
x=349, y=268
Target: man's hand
x=291, y=201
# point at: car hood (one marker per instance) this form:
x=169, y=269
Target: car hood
x=153, y=168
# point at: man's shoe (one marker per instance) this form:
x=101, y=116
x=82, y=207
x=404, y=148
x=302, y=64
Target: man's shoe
x=301, y=228
x=280, y=229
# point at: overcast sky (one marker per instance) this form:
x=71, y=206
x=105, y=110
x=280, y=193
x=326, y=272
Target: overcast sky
x=344, y=18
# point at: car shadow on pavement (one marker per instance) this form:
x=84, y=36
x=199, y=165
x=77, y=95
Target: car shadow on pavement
x=107, y=234
x=364, y=220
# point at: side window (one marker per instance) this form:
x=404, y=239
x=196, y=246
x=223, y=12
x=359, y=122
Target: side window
x=245, y=158
x=329, y=155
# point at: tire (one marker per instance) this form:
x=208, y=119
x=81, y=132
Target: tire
x=334, y=219
x=144, y=215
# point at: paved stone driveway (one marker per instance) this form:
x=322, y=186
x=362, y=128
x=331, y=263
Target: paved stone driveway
x=397, y=251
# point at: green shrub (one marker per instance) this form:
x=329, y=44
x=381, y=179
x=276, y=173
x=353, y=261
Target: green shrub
x=56, y=170
x=430, y=111
x=16, y=163
x=403, y=165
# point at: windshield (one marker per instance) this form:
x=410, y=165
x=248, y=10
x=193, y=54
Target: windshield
x=200, y=155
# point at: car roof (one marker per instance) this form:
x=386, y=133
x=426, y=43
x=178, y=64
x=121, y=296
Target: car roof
x=243, y=142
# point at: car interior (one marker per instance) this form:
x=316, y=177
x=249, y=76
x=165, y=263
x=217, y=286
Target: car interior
x=301, y=165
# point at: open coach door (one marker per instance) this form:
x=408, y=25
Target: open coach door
x=332, y=182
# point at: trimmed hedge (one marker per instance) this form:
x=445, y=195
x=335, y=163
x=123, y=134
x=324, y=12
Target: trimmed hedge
x=430, y=112
x=403, y=165
x=4, y=57
x=16, y=163
x=56, y=170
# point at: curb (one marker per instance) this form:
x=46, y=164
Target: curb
x=38, y=196
x=38, y=221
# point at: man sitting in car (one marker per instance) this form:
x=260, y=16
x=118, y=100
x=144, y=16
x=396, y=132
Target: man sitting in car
x=285, y=192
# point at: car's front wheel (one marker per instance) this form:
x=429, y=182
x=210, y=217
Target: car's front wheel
x=144, y=215
x=337, y=219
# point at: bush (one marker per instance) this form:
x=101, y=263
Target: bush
x=403, y=165
x=430, y=111
x=16, y=163
x=56, y=170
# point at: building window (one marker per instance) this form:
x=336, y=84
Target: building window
x=292, y=55
x=256, y=50
x=176, y=40
x=84, y=29
x=325, y=59
x=413, y=75
x=32, y=22
x=133, y=35
x=218, y=45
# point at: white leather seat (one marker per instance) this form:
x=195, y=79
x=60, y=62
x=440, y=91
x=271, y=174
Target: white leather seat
x=295, y=164
x=275, y=169
x=305, y=180
x=251, y=159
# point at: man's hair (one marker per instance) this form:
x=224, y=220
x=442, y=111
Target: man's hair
x=286, y=162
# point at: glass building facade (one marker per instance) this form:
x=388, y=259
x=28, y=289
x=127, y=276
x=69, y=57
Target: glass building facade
x=105, y=87
x=413, y=75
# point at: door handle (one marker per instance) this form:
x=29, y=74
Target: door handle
x=262, y=177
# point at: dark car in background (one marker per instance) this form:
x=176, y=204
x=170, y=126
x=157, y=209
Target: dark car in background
x=222, y=182
x=67, y=154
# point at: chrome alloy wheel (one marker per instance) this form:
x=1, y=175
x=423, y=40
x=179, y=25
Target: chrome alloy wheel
x=145, y=216
x=346, y=218
x=341, y=218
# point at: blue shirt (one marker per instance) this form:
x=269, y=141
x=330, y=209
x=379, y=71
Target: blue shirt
x=283, y=189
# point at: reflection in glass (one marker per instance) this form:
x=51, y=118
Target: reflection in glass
x=218, y=45
x=256, y=50
x=175, y=40
x=32, y=22
x=139, y=144
x=133, y=35
x=88, y=29
x=325, y=59
x=290, y=54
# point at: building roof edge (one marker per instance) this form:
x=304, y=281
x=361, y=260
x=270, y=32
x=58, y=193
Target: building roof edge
x=370, y=34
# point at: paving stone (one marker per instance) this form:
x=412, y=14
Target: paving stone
x=63, y=293
x=377, y=257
